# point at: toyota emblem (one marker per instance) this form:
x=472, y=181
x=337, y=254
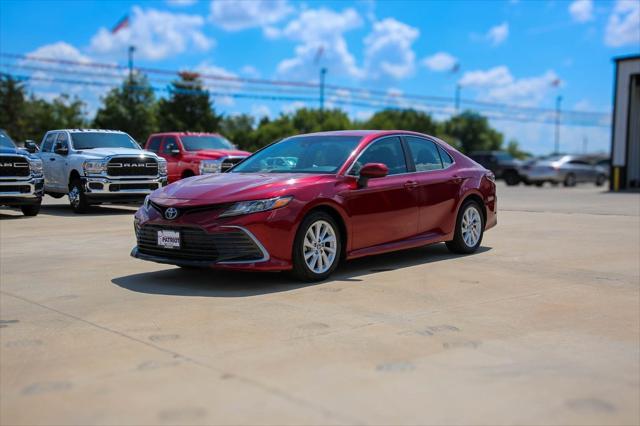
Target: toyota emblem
x=171, y=213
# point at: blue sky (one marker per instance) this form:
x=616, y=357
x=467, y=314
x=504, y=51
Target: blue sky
x=522, y=53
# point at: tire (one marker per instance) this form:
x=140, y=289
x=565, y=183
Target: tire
x=600, y=179
x=308, y=253
x=31, y=209
x=461, y=243
x=539, y=184
x=56, y=194
x=511, y=178
x=77, y=197
x=570, y=180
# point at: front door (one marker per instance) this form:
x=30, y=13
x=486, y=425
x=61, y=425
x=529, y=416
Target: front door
x=386, y=210
x=48, y=161
x=169, y=144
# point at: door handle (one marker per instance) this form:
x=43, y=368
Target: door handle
x=411, y=184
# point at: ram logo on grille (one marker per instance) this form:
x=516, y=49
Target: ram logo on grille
x=133, y=167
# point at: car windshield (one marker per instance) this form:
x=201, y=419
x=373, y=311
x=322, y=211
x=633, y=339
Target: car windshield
x=503, y=156
x=199, y=143
x=301, y=154
x=5, y=140
x=91, y=140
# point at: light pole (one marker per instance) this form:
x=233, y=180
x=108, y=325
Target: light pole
x=323, y=71
x=557, y=140
x=131, y=50
x=457, y=97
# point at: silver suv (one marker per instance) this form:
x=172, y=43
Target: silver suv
x=98, y=166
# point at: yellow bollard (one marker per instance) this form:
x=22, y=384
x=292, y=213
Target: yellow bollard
x=616, y=179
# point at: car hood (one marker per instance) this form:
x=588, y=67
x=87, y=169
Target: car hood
x=230, y=187
x=108, y=152
x=16, y=151
x=214, y=154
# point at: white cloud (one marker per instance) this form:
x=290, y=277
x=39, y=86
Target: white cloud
x=322, y=43
x=498, y=34
x=240, y=15
x=388, y=49
x=181, y=3
x=250, y=71
x=623, y=27
x=581, y=10
x=220, y=81
x=292, y=107
x=499, y=85
x=441, y=61
x=260, y=110
x=155, y=34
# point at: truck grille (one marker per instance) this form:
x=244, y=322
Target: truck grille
x=228, y=163
x=14, y=166
x=195, y=244
x=132, y=166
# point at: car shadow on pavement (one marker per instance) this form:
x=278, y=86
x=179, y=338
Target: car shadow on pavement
x=218, y=283
x=65, y=210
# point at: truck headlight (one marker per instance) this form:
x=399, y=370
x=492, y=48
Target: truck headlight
x=210, y=166
x=246, y=207
x=35, y=164
x=162, y=166
x=94, y=167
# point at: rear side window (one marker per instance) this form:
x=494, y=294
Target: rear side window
x=387, y=151
x=425, y=154
x=154, y=144
x=48, y=142
x=445, y=157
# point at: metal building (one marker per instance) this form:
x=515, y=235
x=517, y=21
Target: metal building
x=625, y=130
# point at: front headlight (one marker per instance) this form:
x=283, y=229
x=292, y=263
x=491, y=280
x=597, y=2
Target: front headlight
x=147, y=202
x=210, y=166
x=35, y=164
x=162, y=166
x=246, y=207
x=94, y=167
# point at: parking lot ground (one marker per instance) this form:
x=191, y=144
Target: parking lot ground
x=542, y=326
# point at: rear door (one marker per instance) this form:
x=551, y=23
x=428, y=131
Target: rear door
x=386, y=210
x=438, y=186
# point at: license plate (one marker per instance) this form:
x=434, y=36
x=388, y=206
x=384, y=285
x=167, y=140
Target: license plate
x=169, y=239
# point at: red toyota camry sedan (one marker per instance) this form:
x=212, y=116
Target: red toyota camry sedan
x=308, y=201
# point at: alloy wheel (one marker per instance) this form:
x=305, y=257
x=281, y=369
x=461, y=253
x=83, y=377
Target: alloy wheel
x=471, y=226
x=320, y=246
x=74, y=196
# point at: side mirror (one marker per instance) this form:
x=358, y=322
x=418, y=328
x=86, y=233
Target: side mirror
x=61, y=150
x=371, y=171
x=31, y=146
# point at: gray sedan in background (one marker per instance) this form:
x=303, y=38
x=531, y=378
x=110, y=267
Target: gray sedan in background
x=566, y=169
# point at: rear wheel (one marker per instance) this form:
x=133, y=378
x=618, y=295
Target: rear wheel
x=31, y=209
x=469, y=229
x=317, y=248
x=570, y=180
x=77, y=197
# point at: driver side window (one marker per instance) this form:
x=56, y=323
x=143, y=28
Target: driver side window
x=61, y=141
x=387, y=151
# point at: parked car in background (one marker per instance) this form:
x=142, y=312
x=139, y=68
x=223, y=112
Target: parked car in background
x=21, y=179
x=502, y=164
x=566, y=169
x=190, y=154
x=98, y=166
x=306, y=202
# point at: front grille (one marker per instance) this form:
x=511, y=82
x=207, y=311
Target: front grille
x=228, y=163
x=195, y=244
x=23, y=189
x=14, y=166
x=128, y=186
x=132, y=166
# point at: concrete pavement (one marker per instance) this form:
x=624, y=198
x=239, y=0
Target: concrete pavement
x=542, y=326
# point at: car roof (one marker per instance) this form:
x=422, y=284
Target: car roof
x=86, y=131
x=185, y=134
x=362, y=133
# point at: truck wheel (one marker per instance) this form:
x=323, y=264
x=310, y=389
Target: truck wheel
x=511, y=178
x=31, y=209
x=77, y=197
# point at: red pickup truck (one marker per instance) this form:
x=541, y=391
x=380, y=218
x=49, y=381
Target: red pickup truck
x=190, y=154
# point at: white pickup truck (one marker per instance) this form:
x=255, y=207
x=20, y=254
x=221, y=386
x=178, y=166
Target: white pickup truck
x=98, y=166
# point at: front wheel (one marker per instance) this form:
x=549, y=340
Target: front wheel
x=30, y=209
x=77, y=197
x=600, y=179
x=469, y=229
x=570, y=180
x=317, y=248
x=511, y=178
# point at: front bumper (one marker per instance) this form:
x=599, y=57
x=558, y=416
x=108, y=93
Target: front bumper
x=18, y=191
x=106, y=187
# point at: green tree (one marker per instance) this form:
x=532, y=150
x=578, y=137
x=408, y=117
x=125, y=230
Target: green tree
x=405, y=119
x=188, y=107
x=269, y=131
x=63, y=112
x=471, y=132
x=309, y=120
x=239, y=130
x=12, y=107
x=130, y=107
x=513, y=148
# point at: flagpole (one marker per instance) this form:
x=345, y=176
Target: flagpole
x=557, y=139
x=323, y=71
x=131, y=50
